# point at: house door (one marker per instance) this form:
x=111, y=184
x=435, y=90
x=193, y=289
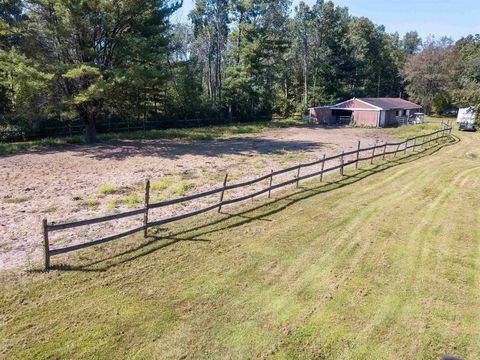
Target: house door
x=382, y=119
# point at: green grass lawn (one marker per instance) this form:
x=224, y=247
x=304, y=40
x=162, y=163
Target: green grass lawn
x=202, y=133
x=431, y=124
x=381, y=264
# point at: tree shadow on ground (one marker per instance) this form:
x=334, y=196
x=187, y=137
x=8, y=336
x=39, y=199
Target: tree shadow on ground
x=241, y=144
x=235, y=219
x=174, y=149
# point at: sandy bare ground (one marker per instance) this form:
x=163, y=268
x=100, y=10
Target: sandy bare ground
x=65, y=184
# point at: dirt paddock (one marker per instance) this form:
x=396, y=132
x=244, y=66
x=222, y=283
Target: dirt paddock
x=78, y=182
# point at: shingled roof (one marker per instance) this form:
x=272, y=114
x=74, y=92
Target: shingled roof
x=391, y=103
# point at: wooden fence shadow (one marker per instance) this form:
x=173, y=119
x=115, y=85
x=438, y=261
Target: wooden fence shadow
x=233, y=219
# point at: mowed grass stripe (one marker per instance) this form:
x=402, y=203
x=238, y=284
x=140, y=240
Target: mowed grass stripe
x=292, y=286
x=359, y=241
x=338, y=274
x=393, y=312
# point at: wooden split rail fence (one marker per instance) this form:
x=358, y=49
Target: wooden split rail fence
x=385, y=149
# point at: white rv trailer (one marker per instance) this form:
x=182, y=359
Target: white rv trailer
x=466, y=118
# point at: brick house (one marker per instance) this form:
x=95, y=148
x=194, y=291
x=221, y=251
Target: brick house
x=373, y=112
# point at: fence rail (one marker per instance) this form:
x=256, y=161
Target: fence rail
x=398, y=147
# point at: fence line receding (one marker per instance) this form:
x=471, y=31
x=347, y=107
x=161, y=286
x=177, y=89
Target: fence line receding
x=386, y=148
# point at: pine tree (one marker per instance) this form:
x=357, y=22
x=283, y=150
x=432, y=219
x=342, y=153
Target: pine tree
x=97, y=49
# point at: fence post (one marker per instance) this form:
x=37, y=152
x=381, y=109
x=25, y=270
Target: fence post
x=406, y=147
x=358, y=154
x=223, y=192
x=270, y=185
x=323, y=167
x=384, y=150
x=146, y=204
x=415, y=144
x=398, y=147
x=341, y=164
x=46, y=245
x=298, y=174
x=373, y=153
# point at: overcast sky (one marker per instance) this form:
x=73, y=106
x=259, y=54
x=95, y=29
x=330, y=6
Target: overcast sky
x=454, y=18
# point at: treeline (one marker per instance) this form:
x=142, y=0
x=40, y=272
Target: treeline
x=445, y=75
x=235, y=59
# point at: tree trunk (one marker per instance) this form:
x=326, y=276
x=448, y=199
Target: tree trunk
x=218, y=70
x=378, y=86
x=88, y=116
x=230, y=113
x=239, y=37
x=305, y=81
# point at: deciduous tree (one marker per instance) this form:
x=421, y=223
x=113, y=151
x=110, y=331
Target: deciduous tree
x=429, y=72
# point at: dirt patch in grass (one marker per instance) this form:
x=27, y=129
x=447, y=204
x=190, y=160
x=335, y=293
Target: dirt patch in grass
x=79, y=182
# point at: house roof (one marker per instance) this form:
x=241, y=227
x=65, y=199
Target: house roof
x=375, y=104
x=390, y=103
